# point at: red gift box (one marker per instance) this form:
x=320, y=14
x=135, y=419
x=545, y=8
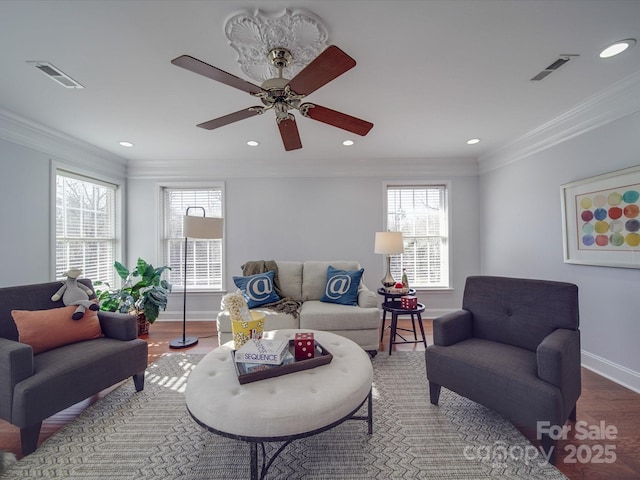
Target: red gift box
x=409, y=302
x=304, y=346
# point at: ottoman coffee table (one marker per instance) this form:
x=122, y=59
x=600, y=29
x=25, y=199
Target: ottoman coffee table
x=284, y=408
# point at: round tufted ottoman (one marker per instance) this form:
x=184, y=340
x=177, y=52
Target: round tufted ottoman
x=284, y=408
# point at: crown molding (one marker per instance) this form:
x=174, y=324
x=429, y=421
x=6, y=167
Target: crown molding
x=21, y=131
x=390, y=168
x=616, y=102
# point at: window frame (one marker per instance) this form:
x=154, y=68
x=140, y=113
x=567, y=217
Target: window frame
x=447, y=235
x=72, y=171
x=178, y=287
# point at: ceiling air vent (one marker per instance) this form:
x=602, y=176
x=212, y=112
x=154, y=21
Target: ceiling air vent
x=57, y=75
x=554, y=66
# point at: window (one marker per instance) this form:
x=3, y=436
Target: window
x=420, y=213
x=85, y=226
x=204, y=261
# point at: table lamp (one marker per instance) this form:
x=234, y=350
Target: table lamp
x=389, y=243
x=194, y=227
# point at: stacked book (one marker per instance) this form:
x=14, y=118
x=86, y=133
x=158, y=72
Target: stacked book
x=263, y=352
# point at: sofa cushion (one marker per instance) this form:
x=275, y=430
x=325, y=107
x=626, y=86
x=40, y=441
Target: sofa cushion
x=290, y=279
x=499, y=376
x=48, y=329
x=257, y=289
x=342, y=286
x=317, y=315
x=314, y=276
x=272, y=320
x=519, y=311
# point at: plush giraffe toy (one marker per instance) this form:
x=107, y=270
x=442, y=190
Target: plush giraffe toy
x=74, y=293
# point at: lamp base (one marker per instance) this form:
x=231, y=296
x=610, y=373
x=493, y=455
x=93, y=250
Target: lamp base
x=183, y=342
x=388, y=280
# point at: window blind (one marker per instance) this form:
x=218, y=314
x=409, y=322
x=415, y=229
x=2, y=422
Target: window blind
x=420, y=213
x=85, y=226
x=204, y=260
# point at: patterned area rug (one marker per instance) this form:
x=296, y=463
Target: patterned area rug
x=150, y=435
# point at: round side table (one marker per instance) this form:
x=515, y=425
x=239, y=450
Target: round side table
x=389, y=297
x=395, y=309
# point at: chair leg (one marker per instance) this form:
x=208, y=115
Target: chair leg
x=138, y=380
x=434, y=392
x=573, y=414
x=29, y=438
x=550, y=448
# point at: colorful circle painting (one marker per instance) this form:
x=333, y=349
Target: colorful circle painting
x=610, y=219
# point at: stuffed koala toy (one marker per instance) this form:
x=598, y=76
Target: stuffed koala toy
x=74, y=293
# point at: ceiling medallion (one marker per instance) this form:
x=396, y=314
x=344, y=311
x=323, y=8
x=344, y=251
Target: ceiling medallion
x=254, y=35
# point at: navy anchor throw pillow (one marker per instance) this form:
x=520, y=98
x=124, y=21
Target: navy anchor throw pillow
x=342, y=286
x=257, y=289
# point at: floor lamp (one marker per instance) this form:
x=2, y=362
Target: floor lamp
x=388, y=243
x=194, y=227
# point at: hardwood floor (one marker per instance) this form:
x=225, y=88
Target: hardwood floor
x=603, y=405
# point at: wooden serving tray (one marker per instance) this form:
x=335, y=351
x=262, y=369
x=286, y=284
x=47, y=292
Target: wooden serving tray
x=251, y=373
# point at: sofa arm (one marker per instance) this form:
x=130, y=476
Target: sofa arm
x=367, y=298
x=452, y=328
x=120, y=326
x=558, y=357
x=16, y=364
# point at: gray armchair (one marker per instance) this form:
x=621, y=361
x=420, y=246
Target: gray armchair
x=34, y=387
x=515, y=348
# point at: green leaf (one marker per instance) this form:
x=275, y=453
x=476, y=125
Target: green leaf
x=122, y=271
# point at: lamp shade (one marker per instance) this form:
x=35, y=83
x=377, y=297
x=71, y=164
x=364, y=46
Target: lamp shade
x=389, y=243
x=202, y=227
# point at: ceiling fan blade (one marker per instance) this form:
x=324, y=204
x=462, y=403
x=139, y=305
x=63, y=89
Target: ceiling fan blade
x=209, y=71
x=336, y=119
x=290, y=135
x=330, y=64
x=232, y=117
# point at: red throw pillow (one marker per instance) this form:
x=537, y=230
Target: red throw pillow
x=48, y=329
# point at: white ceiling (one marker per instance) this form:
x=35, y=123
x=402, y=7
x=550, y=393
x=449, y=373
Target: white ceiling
x=429, y=75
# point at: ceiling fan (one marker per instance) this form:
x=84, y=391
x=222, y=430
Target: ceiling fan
x=283, y=95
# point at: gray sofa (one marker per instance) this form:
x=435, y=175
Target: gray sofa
x=34, y=387
x=515, y=348
x=305, y=282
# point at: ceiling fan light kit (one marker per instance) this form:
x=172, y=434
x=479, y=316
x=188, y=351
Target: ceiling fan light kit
x=280, y=94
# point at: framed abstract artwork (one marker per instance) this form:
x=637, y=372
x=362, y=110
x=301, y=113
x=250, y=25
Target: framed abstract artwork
x=601, y=219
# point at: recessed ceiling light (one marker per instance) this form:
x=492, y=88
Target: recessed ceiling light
x=253, y=143
x=126, y=144
x=473, y=141
x=348, y=143
x=617, y=48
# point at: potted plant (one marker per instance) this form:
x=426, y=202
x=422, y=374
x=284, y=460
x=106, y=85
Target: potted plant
x=143, y=293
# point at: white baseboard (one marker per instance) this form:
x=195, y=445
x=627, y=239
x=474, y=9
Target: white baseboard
x=616, y=373
x=175, y=316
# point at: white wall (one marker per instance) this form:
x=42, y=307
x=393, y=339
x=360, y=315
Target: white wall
x=308, y=218
x=24, y=215
x=522, y=236
x=28, y=155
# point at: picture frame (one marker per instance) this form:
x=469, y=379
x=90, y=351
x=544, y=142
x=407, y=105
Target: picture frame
x=601, y=219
